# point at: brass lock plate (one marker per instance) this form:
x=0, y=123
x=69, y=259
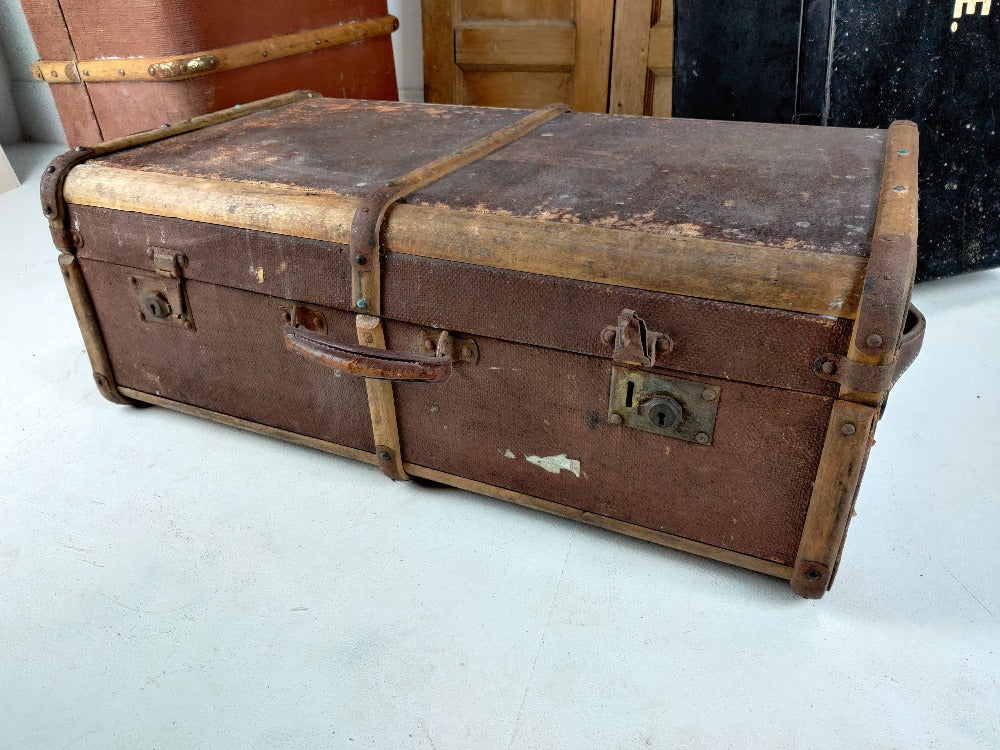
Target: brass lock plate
x=682, y=409
x=161, y=300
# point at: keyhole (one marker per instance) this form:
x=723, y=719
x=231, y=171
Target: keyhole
x=661, y=418
x=629, y=394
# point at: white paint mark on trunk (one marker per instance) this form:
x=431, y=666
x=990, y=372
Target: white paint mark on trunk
x=509, y=454
x=555, y=464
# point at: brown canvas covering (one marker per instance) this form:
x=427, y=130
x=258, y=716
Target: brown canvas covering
x=747, y=246
x=127, y=38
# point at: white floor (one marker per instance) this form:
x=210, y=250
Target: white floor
x=169, y=583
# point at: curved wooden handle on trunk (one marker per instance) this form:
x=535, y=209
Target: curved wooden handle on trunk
x=368, y=361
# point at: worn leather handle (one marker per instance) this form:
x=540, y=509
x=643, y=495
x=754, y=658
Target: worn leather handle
x=912, y=340
x=367, y=361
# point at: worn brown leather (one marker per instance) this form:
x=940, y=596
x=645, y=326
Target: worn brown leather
x=366, y=361
x=748, y=492
x=749, y=344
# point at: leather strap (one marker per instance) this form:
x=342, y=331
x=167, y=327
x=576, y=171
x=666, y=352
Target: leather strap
x=366, y=292
x=859, y=376
x=367, y=361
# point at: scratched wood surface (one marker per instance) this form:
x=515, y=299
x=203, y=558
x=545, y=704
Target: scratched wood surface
x=794, y=187
x=512, y=53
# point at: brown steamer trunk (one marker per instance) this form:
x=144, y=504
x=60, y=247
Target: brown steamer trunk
x=116, y=69
x=683, y=331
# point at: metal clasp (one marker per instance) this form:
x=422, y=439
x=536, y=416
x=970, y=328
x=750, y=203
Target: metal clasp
x=634, y=343
x=161, y=298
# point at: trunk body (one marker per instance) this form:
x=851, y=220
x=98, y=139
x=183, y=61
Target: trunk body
x=745, y=246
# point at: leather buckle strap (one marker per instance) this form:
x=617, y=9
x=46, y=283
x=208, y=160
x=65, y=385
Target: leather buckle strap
x=366, y=292
x=858, y=376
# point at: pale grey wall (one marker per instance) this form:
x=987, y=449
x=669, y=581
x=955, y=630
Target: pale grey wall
x=27, y=110
x=10, y=126
x=32, y=101
x=408, y=49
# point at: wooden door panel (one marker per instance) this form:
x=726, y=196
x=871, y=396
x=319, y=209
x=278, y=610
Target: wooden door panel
x=643, y=58
x=518, y=53
x=491, y=45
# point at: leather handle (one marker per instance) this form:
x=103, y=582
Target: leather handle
x=367, y=361
x=911, y=341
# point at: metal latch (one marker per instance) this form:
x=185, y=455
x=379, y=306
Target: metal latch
x=634, y=343
x=665, y=405
x=161, y=297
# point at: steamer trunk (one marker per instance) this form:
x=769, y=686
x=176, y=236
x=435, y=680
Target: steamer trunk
x=652, y=325
x=117, y=69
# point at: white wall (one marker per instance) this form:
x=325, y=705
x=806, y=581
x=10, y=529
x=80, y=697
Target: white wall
x=27, y=110
x=10, y=126
x=408, y=49
x=36, y=112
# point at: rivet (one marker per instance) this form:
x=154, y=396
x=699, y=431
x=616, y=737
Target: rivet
x=848, y=429
x=467, y=352
x=812, y=574
x=369, y=339
x=608, y=335
x=121, y=71
x=360, y=259
x=165, y=125
x=85, y=72
x=99, y=379
x=874, y=341
x=615, y=418
x=902, y=152
x=900, y=188
x=50, y=169
x=362, y=303
x=709, y=394
x=287, y=316
x=47, y=210
x=80, y=148
x=264, y=53
x=829, y=367
x=317, y=41
x=702, y=437
x=383, y=456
